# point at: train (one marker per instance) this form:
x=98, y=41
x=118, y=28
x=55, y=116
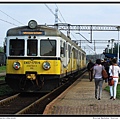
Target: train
x=39, y=58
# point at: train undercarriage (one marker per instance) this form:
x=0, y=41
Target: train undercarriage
x=32, y=82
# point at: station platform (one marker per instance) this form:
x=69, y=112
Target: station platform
x=79, y=99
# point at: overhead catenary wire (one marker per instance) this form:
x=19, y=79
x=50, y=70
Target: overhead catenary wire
x=58, y=18
x=11, y=17
x=8, y=22
x=60, y=13
x=64, y=19
x=52, y=12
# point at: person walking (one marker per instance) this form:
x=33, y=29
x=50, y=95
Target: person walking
x=114, y=71
x=97, y=73
x=106, y=66
x=90, y=69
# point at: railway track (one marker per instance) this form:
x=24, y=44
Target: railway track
x=15, y=103
x=31, y=103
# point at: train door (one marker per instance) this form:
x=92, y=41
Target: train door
x=66, y=56
x=79, y=59
x=69, y=58
x=72, y=61
x=63, y=56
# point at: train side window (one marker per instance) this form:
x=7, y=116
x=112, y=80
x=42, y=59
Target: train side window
x=32, y=47
x=69, y=50
x=61, y=49
x=64, y=46
x=79, y=55
x=82, y=56
x=74, y=53
x=16, y=47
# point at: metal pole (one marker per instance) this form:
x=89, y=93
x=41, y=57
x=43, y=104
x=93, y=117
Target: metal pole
x=95, y=49
x=112, y=44
x=108, y=45
x=118, y=27
x=118, y=47
x=108, y=48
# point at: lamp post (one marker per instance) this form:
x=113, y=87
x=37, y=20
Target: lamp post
x=118, y=28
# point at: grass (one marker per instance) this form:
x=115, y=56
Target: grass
x=118, y=90
x=5, y=90
x=2, y=78
x=2, y=69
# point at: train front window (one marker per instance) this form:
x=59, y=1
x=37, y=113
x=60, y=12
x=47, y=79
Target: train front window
x=16, y=47
x=32, y=47
x=48, y=47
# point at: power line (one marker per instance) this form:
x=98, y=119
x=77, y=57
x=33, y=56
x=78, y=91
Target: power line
x=11, y=17
x=60, y=13
x=59, y=18
x=52, y=12
x=8, y=22
x=64, y=19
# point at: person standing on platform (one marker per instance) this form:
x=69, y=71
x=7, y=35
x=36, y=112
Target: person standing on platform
x=97, y=73
x=114, y=71
x=90, y=69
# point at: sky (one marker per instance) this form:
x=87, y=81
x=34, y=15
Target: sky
x=19, y=14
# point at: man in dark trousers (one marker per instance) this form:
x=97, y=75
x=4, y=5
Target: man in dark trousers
x=90, y=69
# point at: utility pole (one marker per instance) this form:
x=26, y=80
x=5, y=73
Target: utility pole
x=56, y=17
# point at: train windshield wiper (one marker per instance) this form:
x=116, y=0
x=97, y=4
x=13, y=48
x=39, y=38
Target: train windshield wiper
x=50, y=43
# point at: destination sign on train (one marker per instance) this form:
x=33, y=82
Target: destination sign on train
x=33, y=33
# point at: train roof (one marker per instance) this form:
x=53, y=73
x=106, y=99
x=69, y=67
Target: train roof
x=17, y=31
x=45, y=30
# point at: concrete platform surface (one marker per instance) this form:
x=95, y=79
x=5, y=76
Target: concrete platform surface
x=79, y=99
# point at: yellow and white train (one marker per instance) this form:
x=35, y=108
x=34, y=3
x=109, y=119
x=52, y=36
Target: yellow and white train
x=40, y=57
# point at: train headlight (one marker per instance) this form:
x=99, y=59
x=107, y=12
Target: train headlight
x=46, y=65
x=16, y=65
x=32, y=24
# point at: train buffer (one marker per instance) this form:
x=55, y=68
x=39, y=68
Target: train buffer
x=79, y=99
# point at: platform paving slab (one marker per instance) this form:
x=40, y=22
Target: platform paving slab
x=79, y=99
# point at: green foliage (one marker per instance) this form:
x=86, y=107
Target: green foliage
x=2, y=68
x=118, y=90
x=5, y=90
x=2, y=78
x=1, y=49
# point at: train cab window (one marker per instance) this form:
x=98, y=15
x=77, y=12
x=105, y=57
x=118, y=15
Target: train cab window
x=32, y=47
x=48, y=47
x=16, y=47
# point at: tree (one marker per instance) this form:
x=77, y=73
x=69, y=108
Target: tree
x=1, y=49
